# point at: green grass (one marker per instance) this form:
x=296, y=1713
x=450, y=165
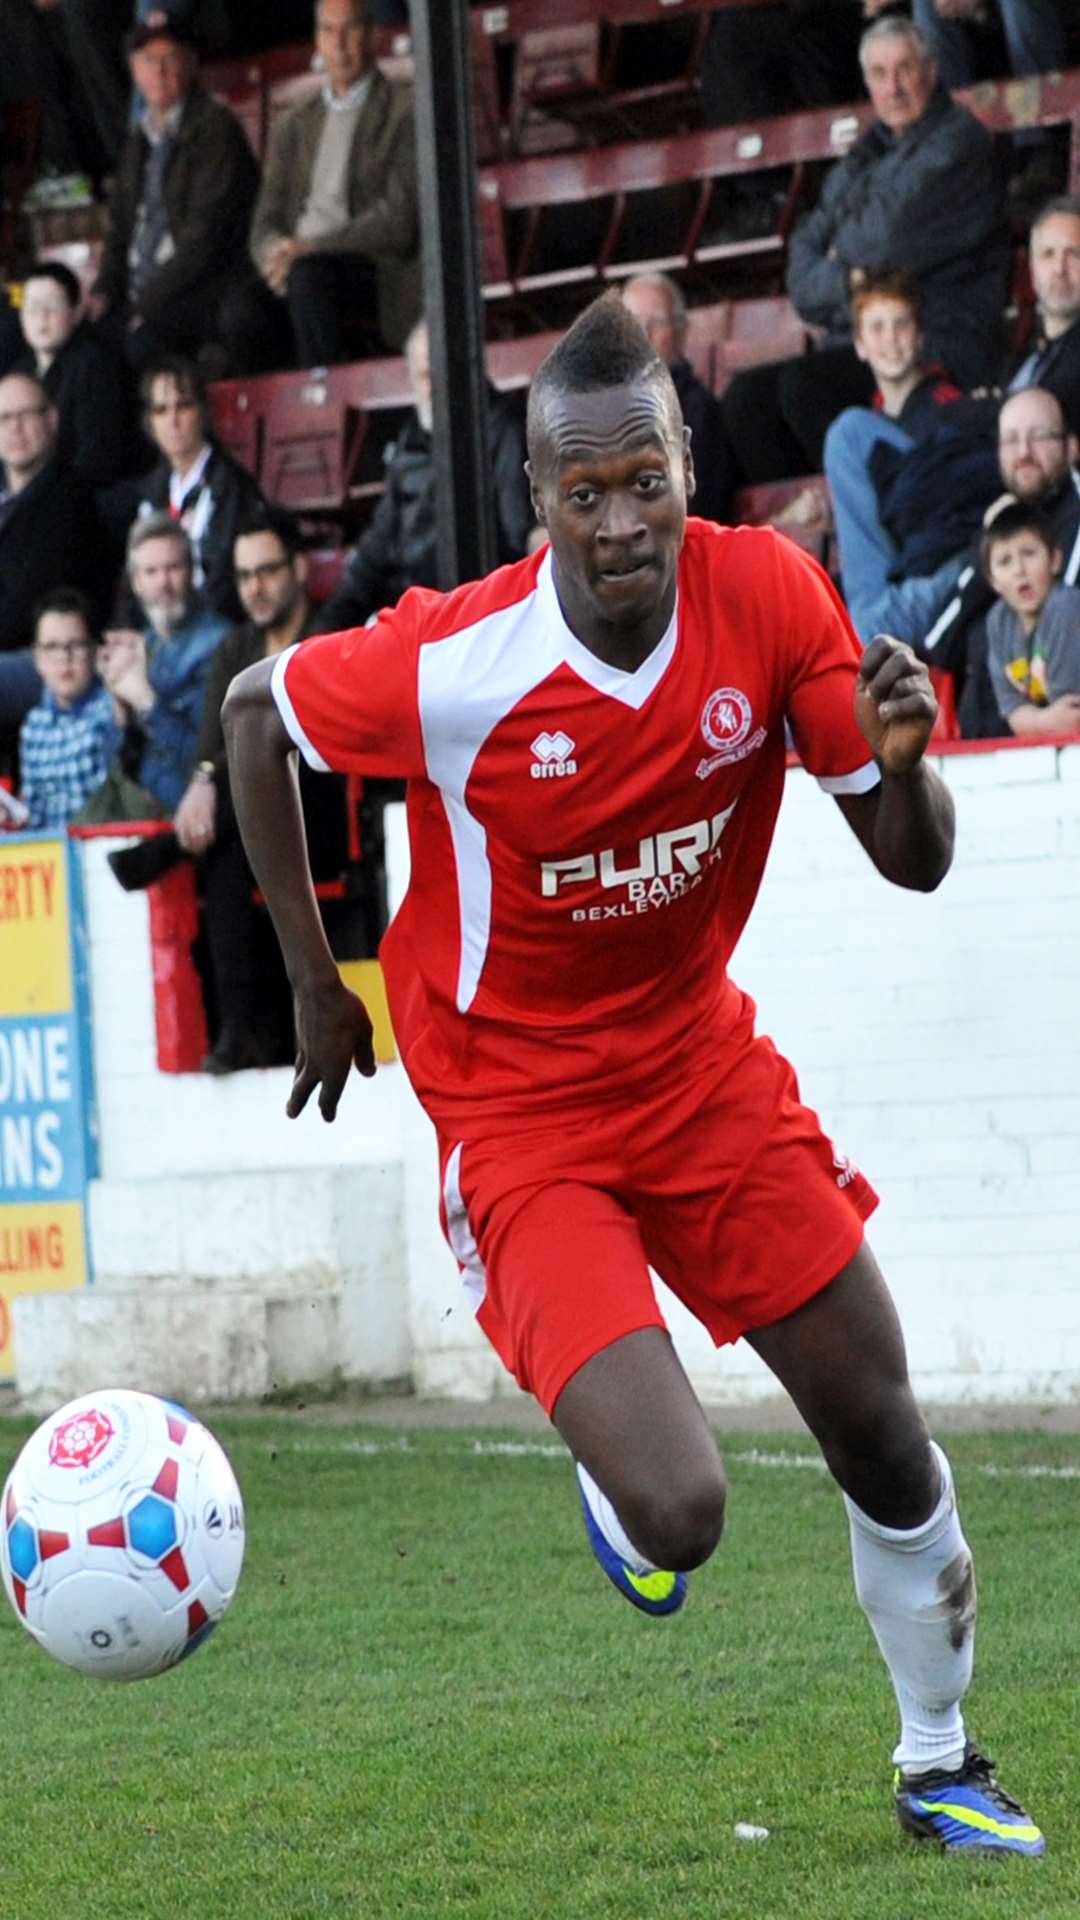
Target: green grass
x=427, y=1701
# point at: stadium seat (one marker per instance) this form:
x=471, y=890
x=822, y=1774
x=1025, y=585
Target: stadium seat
x=325, y=569
x=312, y=438
x=238, y=421
x=587, y=217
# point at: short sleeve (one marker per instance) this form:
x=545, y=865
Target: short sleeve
x=822, y=655
x=349, y=700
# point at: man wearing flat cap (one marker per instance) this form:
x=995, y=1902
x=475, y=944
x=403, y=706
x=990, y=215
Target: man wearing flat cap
x=181, y=204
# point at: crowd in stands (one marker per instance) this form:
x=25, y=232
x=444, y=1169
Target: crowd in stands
x=141, y=567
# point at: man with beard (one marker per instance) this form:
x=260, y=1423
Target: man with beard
x=249, y=988
x=157, y=677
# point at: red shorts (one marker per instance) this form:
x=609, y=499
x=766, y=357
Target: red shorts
x=724, y=1183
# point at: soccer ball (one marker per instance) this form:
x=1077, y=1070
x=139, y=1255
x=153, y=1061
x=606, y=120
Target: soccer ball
x=121, y=1534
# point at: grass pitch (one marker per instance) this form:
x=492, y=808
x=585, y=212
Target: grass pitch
x=427, y=1701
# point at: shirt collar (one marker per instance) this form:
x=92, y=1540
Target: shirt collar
x=52, y=705
x=166, y=132
x=180, y=484
x=347, y=102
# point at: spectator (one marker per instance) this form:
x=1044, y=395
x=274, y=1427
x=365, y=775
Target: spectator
x=49, y=536
x=774, y=59
x=95, y=33
x=1033, y=628
x=196, y=481
x=64, y=740
x=657, y=303
x=88, y=384
x=919, y=191
x=1034, y=35
x=906, y=405
x=36, y=64
x=1052, y=361
x=336, y=233
x=180, y=205
x=250, y=991
x=398, y=549
x=157, y=678
x=1036, y=457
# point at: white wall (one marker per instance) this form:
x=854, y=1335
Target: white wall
x=938, y=1037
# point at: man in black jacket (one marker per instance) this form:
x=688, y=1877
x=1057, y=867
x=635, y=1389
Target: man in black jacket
x=919, y=191
x=1051, y=359
x=181, y=203
x=201, y=485
x=90, y=386
x=398, y=549
x=49, y=537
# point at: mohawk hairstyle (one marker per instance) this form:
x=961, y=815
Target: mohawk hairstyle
x=605, y=347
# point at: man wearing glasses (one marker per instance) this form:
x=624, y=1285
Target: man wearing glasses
x=49, y=537
x=250, y=989
x=1038, y=455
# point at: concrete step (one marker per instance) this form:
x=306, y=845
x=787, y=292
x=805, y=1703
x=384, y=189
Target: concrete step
x=297, y=1230
x=190, y=1346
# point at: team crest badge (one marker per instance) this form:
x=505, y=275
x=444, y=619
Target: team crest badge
x=726, y=721
x=79, y=1441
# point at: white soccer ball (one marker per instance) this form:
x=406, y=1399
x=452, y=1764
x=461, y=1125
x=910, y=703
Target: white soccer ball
x=121, y=1534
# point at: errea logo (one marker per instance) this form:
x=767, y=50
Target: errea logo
x=552, y=759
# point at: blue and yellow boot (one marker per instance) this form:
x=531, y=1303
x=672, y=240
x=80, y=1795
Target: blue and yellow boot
x=656, y=1593
x=966, y=1811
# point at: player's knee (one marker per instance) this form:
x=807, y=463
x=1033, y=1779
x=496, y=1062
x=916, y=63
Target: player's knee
x=889, y=1469
x=680, y=1527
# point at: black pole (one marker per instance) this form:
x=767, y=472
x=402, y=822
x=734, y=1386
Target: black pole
x=453, y=304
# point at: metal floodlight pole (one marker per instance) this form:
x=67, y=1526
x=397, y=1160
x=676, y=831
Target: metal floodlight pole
x=453, y=304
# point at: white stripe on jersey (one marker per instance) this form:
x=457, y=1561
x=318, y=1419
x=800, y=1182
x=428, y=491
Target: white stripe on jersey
x=467, y=684
x=460, y=1235
x=860, y=781
x=288, y=712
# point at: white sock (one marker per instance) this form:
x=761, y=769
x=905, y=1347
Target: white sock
x=917, y=1589
x=611, y=1526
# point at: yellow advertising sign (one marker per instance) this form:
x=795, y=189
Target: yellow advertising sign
x=35, y=949
x=42, y=1250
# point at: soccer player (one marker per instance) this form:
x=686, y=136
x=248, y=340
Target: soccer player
x=594, y=744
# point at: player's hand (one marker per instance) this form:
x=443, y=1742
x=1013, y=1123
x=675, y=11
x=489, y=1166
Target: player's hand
x=333, y=1033
x=895, y=704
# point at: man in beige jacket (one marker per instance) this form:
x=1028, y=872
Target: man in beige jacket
x=336, y=233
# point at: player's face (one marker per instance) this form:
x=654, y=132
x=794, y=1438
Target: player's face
x=161, y=579
x=163, y=72
x=27, y=427
x=887, y=338
x=268, y=582
x=1055, y=267
x=1034, y=450
x=611, y=473
x=64, y=656
x=175, y=422
x=343, y=42
x=47, y=316
x=899, y=82
x=1022, y=570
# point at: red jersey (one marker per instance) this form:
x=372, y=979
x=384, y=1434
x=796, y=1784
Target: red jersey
x=586, y=843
